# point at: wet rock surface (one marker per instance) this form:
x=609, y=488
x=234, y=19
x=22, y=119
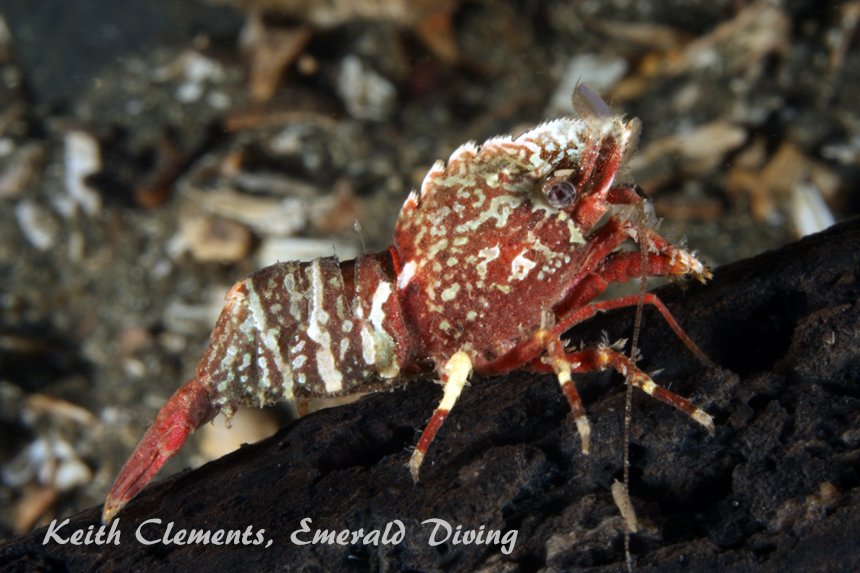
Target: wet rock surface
x=776, y=489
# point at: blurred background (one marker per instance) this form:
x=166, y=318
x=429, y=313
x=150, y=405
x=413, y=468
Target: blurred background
x=153, y=153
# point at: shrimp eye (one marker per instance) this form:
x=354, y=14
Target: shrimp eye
x=561, y=194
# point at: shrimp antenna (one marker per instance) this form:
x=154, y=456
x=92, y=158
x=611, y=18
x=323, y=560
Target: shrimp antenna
x=630, y=516
x=357, y=227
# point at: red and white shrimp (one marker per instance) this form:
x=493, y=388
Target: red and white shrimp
x=497, y=256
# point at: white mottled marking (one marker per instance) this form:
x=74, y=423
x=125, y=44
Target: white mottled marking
x=450, y=292
x=411, y=201
x=488, y=255
x=406, y=274
x=331, y=376
x=295, y=296
x=521, y=266
x=380, y=296
x=470, y=148
x=437, y=169
x=269, y=337
x=575, y=235
x=368, y=349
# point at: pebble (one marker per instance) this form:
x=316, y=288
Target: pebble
x=214, y=239
x=37, y=224
x=52, y=463
x=809, y=211
x=249, y=425
x=82, y=159
x=23, y=165
x=273, y=250
x=265, y=215
x=366, y=94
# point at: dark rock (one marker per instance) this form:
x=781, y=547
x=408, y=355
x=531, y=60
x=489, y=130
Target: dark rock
x=775, y=490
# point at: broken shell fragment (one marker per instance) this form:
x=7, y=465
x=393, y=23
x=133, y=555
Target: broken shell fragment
x=366, y=94
x=214, y=239
x=37, y=224
x=82, y=159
